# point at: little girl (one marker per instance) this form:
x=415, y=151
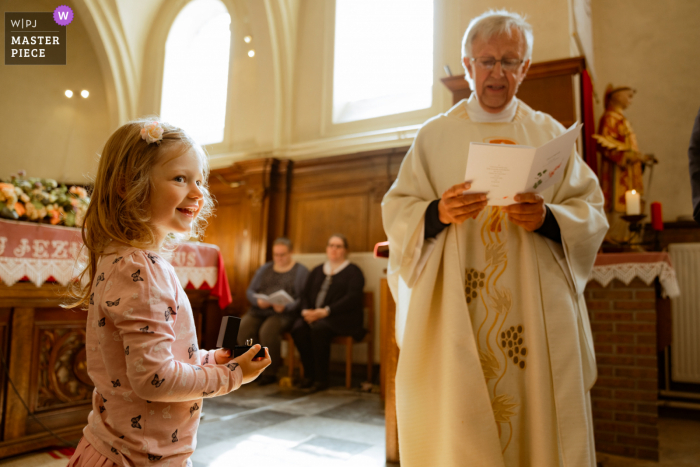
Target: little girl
x=150, y=378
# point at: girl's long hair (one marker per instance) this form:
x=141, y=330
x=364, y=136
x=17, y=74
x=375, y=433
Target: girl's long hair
x=119, y=207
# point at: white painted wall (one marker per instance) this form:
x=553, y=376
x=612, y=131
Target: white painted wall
x=277, y=101
x=41, y=130
x=277, y=98
x=652, y=46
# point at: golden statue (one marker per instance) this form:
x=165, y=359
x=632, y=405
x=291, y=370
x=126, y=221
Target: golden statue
x=621, y=164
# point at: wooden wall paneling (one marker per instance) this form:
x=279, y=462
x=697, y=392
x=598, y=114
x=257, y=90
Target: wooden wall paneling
x=554, y=95
x=5, y=314
x=316, y=217
x=258, y=174
x=241, y=226
x=225, y=228
x=60, y=388
x=227, y=232
x=59, y=360
x=279, y=204
x=341, y=194
x=19, y=372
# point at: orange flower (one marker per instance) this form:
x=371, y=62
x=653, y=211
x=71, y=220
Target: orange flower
x=55, y=217
x=19, y=207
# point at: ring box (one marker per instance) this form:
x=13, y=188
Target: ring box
x=228, y=338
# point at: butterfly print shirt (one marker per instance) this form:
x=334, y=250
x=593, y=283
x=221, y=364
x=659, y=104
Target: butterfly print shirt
x=142, y=355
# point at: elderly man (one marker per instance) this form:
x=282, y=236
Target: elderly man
x=496, y=356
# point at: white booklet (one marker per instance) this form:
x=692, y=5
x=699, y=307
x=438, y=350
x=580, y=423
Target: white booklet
x=278, y=298
x=504, y=170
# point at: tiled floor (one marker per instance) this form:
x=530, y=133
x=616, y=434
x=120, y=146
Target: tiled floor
x=679, y=441
x=272, y=427
x=268, y=426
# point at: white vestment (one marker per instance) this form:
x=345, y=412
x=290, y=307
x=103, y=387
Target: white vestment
x=497, y=357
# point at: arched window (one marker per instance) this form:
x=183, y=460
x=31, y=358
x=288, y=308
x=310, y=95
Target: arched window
x=195, y=75
x=383, y=60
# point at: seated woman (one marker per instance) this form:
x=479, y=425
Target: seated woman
x=269, y=321
x=332, y=305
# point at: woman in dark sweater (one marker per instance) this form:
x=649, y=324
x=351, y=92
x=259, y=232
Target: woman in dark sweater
x=332, y=305
x=265, y=322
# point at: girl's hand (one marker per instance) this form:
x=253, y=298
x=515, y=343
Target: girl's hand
x=278, y=308
x=252, y=369
x=222, y=356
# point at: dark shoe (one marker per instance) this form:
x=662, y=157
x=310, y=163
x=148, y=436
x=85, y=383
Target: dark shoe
x=264, y=380
x=306, y=383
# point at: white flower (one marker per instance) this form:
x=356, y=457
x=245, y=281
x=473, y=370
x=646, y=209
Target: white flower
x=152, y=132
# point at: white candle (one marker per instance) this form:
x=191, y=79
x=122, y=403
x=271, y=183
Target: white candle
x=632, y=202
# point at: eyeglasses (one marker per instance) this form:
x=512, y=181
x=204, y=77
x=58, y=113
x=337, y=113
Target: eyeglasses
x=507, y=64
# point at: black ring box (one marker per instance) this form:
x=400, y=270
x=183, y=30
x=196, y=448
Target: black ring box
x=228, y=337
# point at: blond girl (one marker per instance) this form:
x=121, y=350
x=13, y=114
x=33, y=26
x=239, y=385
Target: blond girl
x=150, y=376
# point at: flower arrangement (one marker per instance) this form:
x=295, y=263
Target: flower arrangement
x=42, y=200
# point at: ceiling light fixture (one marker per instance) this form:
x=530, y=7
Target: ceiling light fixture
x=251, y=53
x=84, y=93
x=69, y=93
x=247, y=39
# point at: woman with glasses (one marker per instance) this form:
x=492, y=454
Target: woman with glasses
x=267, y=320
x=331, y=306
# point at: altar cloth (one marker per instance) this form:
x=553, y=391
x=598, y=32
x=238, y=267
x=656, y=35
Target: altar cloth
x=643, y=265
x=42, y=253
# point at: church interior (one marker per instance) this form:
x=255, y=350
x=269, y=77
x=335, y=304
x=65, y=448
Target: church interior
x=306, y=109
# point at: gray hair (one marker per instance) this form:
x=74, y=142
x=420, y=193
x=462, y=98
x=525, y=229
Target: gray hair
x=283, y=241
x=496, y=23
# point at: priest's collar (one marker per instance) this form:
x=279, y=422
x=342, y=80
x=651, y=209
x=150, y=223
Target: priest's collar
x=478, y=114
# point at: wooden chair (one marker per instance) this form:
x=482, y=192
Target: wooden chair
x=345, y=340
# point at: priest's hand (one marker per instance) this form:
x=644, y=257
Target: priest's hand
x=455, y=207
x=529, y=213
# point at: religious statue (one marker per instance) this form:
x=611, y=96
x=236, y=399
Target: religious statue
x=622, y=164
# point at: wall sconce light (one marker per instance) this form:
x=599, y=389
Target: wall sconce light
x=69, y=93
x=251, y=53
x=247, y=39
x=84, y=93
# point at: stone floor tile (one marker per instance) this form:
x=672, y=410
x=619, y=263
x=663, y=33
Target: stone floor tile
x=335, y=448
x=360, y=410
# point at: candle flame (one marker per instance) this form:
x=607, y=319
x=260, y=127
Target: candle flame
x=634, y=192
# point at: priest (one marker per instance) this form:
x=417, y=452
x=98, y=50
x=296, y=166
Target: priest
x=497, y=357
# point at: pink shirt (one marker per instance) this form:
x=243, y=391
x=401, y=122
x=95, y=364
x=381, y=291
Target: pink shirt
x=150, y=377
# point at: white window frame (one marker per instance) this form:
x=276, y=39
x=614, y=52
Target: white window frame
x=400, y=121
x=225, y=145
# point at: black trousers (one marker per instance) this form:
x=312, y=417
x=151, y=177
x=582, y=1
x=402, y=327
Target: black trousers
x=314, y=344
x=270, y=332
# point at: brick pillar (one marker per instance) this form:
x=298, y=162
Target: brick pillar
x=625, y=411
